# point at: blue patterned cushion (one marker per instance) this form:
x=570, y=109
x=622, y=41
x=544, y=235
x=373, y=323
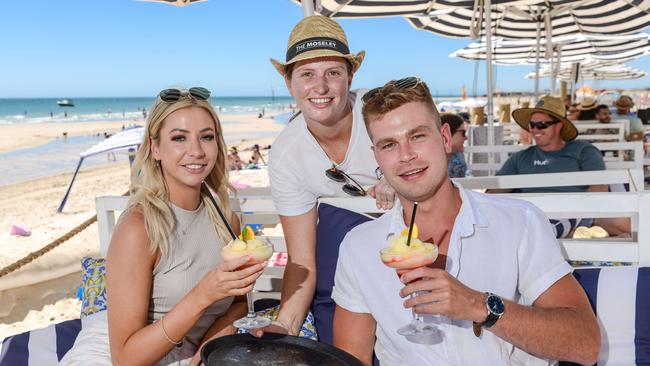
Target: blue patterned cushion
x=93, y=277
x=306, y=331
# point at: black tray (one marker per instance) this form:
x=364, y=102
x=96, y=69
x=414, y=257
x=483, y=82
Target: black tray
x=273, y=349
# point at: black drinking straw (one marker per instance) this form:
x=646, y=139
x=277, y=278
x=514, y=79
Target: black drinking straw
x=408, y=239
x=206, y=190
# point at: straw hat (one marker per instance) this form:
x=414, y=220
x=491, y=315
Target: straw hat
x=317, y=36
x=624, y=102
x=552, y=106
x=587, y=104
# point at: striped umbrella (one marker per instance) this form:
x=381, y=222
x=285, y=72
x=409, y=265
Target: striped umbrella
x=511, y=20
x=579, y=48
x=593, y=71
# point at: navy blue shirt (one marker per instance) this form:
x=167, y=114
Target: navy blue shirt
x=577, y=155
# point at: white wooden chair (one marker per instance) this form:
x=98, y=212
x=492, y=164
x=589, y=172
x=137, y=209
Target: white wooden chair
x=502, y=152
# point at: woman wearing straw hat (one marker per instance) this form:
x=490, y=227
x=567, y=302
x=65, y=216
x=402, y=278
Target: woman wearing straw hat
x=324, y=151
x=587, y=108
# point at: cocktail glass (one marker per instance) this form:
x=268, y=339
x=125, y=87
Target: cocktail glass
x=257, y=255
x=417, y=331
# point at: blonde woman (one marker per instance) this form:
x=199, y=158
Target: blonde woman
x=167, y=285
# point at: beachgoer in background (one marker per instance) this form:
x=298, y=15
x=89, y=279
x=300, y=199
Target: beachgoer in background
x=457, y=167
x=500, y=289
x=624, y=106
x=573, y=113
x=167, y=285
x=587, y=108
x=51, y=115
x=603, y=114
x=256, y=156
x=144, y=112
x=234, y=161
x=557, y=150
x=324, y=151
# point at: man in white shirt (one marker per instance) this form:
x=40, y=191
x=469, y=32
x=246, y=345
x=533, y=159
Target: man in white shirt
x=504, y=293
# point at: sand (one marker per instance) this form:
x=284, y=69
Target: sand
x=47, y=286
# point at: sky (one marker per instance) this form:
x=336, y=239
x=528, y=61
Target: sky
x=124, y=48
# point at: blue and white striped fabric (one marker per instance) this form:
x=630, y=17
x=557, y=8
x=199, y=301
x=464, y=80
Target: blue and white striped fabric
x=45, y=346
x=620, y=296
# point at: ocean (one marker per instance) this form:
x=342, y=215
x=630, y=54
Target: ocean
x=36, y=110
x=62, y=155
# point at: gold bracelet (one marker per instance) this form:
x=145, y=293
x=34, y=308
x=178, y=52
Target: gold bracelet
x=162, y=324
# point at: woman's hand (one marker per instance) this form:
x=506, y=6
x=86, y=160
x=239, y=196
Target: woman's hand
x=274, y=327
x=227, y=280
x=383, y=193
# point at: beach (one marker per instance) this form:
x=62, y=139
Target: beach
x=44, y=291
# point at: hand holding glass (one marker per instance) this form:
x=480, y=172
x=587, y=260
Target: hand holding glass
x=258, y=251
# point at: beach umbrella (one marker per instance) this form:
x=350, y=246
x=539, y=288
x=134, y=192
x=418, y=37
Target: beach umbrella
x=580, y=48
x=129, y=139
x=565, y=49
x=175, y=2
x=554, y=18
x=594, y=72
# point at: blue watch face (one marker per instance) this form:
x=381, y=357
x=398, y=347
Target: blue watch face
x=496, y=305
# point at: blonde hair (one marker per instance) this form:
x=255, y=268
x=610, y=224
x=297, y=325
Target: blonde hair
x=150, y=194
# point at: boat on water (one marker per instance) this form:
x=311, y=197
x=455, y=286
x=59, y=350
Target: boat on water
x=65, y=103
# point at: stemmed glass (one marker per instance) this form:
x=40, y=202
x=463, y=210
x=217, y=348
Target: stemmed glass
x=417, y=331
x=259, y=251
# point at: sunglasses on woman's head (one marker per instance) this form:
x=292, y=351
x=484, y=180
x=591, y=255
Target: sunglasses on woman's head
x=541, y=125
x=401, y=84
x=173, y=95
x=350, y=187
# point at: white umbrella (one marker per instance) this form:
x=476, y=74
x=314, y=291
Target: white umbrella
x=124, y=140
x=594, y=72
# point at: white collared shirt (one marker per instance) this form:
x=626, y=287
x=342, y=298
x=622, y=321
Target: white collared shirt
x=497, y=244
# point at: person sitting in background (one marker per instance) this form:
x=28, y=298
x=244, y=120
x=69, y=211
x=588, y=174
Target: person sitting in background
x=167, y=286
x=457, y=167
x=557, y=150
x=256, y=156
x=624, y=106
x=573, y=113
x=234, y=161
x=500, y=290
x=603, y=114
x=587, y=110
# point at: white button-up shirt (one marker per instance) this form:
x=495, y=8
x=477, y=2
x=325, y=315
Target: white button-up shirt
x=500, y=245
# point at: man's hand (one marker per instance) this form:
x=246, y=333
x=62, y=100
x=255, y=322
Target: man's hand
x=383, y=193
x=443, y=294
